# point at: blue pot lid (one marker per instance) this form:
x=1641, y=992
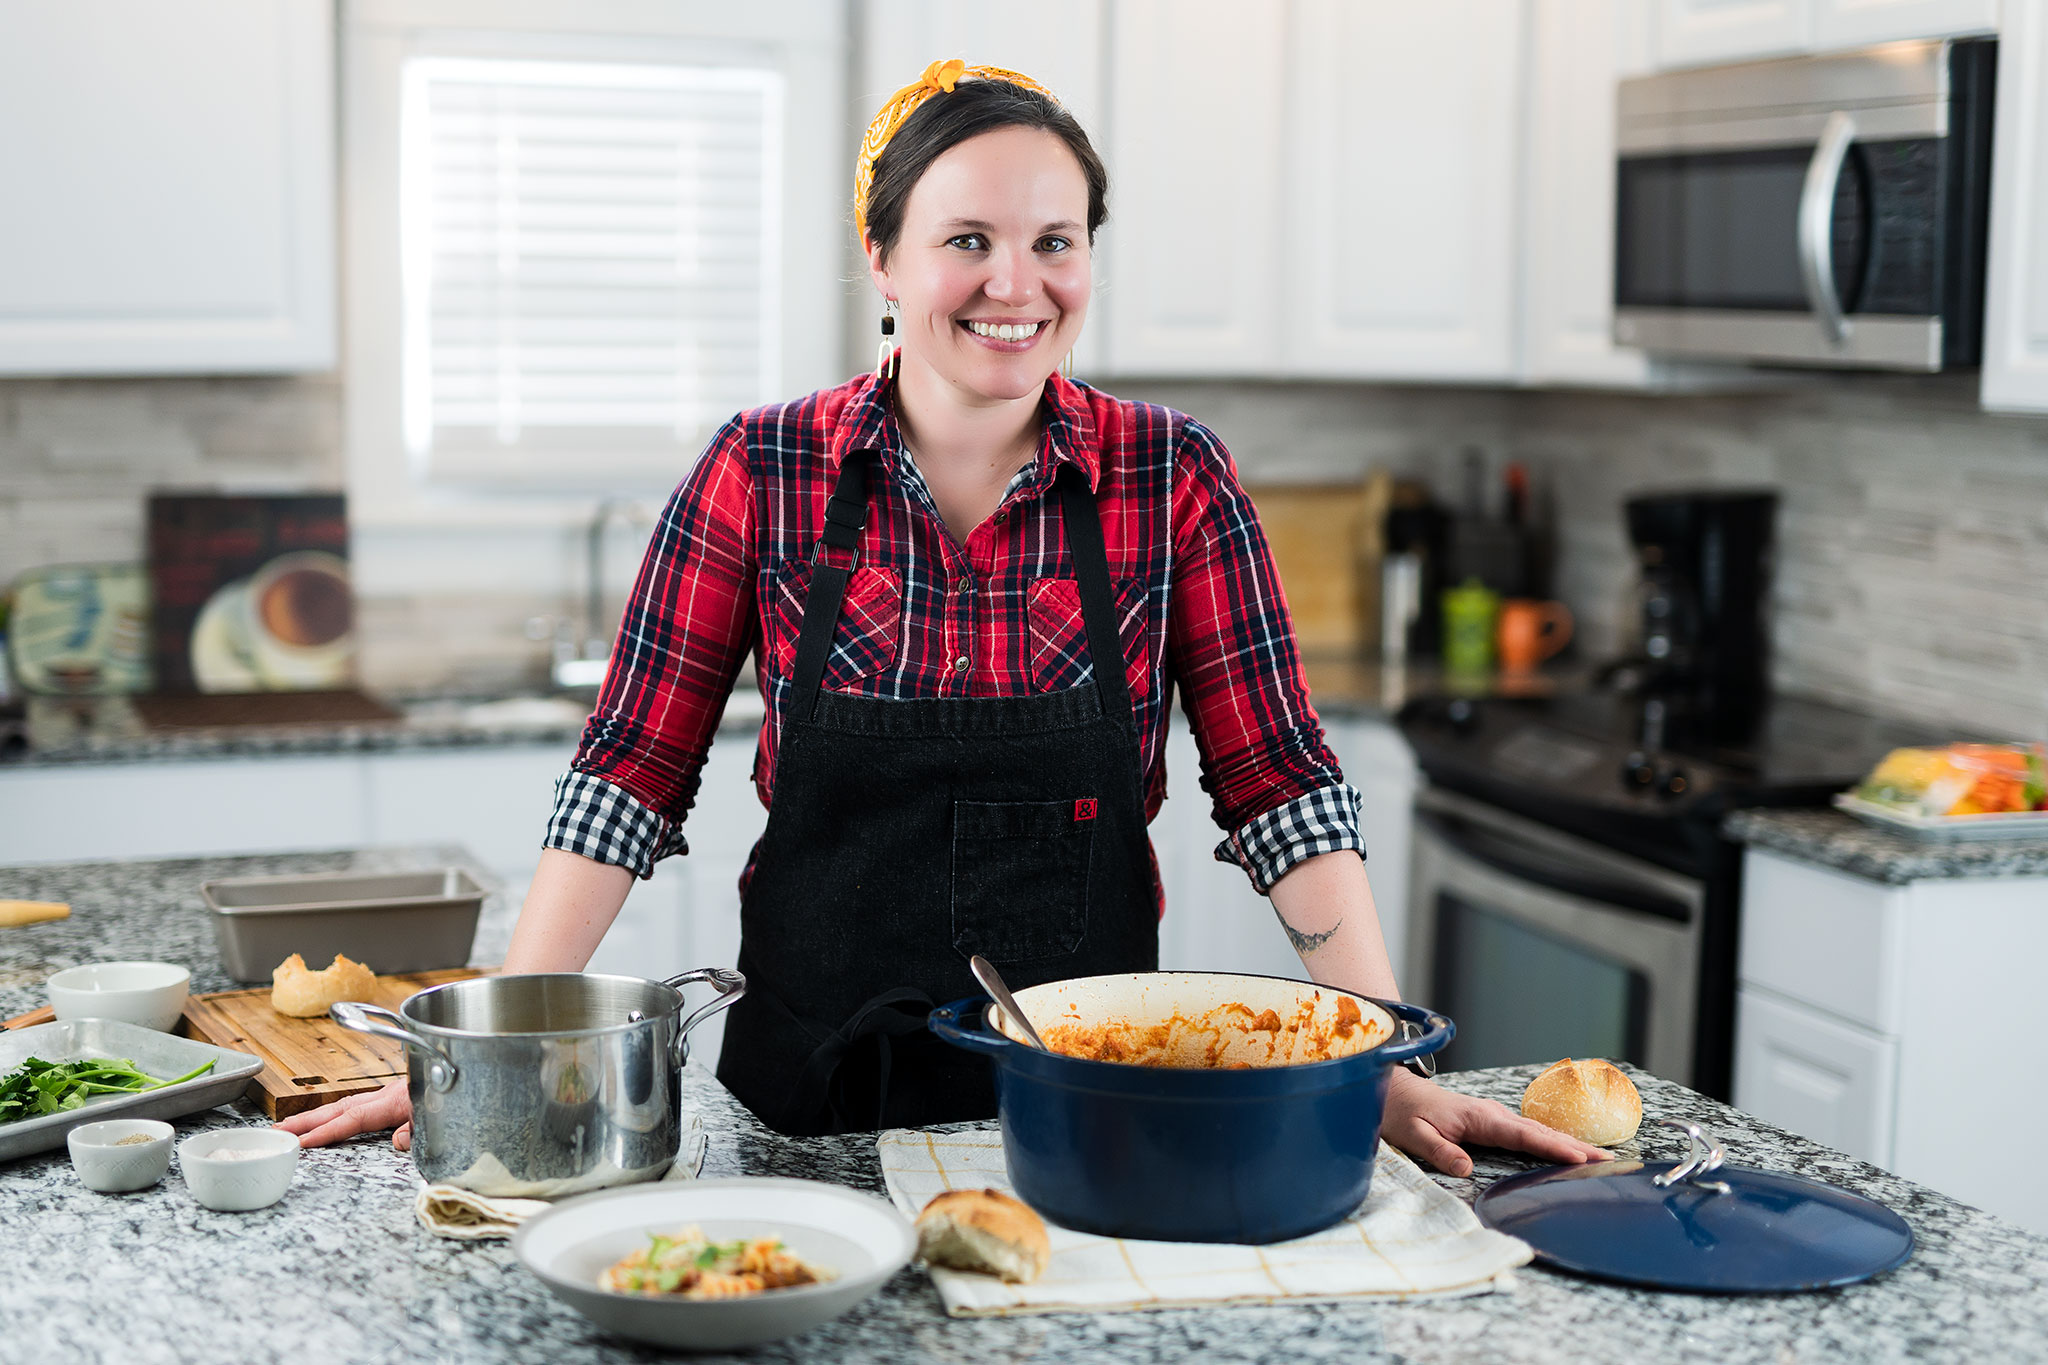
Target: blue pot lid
x=1697, y=1225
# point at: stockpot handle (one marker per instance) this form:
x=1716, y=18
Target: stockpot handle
x=730, y=986
x=977, y=1037
x=1435, y=1030
x=375, y=1019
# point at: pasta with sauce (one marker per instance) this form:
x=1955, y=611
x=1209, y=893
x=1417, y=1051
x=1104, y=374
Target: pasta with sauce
x=689, y=1266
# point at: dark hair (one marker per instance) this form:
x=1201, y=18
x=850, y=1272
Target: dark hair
x=945, y=121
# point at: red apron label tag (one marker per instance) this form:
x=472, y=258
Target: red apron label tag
x=1084, y=809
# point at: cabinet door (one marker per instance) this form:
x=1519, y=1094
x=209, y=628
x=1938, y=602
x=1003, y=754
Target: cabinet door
x=1695, y=32
x=1400, y=201
x=1189, y=274
x=171, y=174
x=181, y=810
x=1578, y=48
x=1839, y=24
x=1215, y=921
x=1378, y=762
x=1815, y=1076
x=2016, y=283
x=1057, y=43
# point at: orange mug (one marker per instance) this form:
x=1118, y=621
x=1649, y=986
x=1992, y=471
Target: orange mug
x=1532, y=631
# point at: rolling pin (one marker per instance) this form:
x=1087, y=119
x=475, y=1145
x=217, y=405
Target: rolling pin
x=31, y=912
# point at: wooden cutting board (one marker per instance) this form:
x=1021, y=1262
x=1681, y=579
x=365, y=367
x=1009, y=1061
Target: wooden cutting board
x=306, y=1062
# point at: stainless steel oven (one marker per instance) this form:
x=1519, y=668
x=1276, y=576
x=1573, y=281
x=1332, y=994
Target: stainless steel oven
x=1542, y=945
x=1814, y=211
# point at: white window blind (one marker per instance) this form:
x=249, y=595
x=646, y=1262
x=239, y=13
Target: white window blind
x=591, y=266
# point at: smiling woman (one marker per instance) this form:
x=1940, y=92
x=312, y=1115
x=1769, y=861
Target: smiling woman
x=971, y=587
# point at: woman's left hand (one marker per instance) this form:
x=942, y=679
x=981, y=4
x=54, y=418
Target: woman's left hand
x=1425, y=1120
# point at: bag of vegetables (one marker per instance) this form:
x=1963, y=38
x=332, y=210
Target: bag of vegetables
x=1961, y=779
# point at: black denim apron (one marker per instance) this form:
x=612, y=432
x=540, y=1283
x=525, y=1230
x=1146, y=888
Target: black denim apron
x=905, y=836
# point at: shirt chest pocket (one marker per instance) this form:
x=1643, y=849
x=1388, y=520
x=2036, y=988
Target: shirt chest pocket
x=865, y=639
x=1059, y=636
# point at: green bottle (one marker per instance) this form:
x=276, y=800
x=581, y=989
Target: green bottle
x=1471, y=611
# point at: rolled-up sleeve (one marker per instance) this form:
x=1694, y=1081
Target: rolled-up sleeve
x=686, y=629
x=1276, y=789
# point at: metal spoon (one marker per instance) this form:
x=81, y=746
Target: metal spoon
x=985, y=972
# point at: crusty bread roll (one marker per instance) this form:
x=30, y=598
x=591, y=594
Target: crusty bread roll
x=985, y=1231
x=303, y=994
x=1591, y=1100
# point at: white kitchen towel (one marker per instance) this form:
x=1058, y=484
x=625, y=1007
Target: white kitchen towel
x=451, y=1211
x=1410, y=1239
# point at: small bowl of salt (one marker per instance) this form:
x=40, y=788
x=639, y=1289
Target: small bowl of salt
x=238, y=1169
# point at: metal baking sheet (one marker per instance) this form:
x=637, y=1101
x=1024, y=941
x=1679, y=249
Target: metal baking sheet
x=159, y=1054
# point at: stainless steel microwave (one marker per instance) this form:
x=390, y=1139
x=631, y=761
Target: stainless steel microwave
x=1813, y=211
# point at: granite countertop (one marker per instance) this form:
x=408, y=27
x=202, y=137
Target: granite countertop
x=339, y=1271
x=108, y=732
x=1835, y=839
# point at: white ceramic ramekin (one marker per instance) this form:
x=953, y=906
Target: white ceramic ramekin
x=238, y=1184
x=151, y=994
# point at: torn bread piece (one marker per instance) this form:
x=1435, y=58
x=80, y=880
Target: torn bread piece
x=302, y=993
x=984, y=1231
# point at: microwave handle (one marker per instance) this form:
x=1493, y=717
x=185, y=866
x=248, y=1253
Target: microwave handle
x=1817, y=221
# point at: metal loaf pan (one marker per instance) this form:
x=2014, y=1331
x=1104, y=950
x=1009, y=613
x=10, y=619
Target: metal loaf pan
x=390, y=921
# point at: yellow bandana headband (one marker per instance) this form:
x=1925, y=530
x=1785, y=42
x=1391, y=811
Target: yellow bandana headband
x=938, y=79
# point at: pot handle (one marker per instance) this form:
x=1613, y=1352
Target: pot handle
x=730, y=986
x=977, y=1037
x=1418, y=1033
x=375, y=1019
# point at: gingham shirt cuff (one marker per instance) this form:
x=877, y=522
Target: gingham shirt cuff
x=1322, y=821
x=608, y=824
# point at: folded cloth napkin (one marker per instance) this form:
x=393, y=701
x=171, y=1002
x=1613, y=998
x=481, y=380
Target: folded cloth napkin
x=451, y=1211
x=1410, y=1239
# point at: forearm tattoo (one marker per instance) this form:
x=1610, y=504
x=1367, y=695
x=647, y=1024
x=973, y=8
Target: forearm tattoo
x=1308, y=943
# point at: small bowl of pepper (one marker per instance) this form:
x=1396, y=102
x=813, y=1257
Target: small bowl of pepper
x=116, y=1155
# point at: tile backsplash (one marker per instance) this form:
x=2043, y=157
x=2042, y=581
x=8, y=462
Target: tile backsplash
x=1913, y=540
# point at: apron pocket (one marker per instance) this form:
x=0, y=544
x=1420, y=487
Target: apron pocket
x=1020, y=877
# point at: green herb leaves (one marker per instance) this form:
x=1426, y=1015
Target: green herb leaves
x=36, y=1087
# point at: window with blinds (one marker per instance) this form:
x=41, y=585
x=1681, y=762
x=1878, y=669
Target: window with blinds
x=591, y=269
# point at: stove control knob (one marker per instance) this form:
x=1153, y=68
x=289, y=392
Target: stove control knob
x=1672, y=782
x=1638, y=773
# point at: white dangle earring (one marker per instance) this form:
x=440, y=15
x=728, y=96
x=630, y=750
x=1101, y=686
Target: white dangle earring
x=885, y=354
x=1067, y=367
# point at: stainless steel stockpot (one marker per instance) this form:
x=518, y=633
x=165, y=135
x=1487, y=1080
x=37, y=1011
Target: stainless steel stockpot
x=545, y=1085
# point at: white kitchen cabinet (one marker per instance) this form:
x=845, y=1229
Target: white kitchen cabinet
x=1214, y=920
x=1398, y=220
x=1842, y=24
x=170, y=171
x=1058, y=43
x=2015, y=375
x=1578, y=49
x=1813, y=1074
x=1871, y=1015
x=1698, y=32
x=180, y=810
x=1190, y=275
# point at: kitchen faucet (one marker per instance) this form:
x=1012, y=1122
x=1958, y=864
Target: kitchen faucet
x=587, y=668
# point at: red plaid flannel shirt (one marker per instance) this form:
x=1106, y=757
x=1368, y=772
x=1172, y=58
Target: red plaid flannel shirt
x=1199, y=607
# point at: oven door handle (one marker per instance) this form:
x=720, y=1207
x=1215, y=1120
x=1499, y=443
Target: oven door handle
x=1506, y=855
x=1817, y=225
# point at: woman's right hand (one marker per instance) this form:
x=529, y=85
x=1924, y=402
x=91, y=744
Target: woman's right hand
x=370, y=1112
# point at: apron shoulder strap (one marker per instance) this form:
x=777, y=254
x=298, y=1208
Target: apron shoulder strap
x=1098, y=603
x=846, y=516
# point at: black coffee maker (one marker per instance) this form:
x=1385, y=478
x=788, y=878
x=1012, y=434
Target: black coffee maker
x=1705, y=663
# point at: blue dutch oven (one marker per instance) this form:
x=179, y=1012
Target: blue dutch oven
x=1252, y=1155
